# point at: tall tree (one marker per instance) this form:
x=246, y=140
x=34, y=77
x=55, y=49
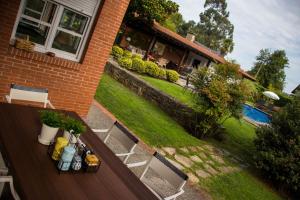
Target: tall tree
x=158, y=10
x=173, y=22
x=269, y=68
x=187, y=27
x=215, y=29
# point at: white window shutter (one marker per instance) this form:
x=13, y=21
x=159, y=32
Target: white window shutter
x=87, y=7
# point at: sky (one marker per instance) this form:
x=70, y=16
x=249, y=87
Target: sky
x=258, y=24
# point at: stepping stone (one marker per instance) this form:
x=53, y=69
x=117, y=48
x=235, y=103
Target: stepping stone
x=218, y=151
x=171, y=151
x=218, y=159
x=184, y=160
x=160, y=151
x=210, y=169
x=199, y=148
x=193, y=149
x=226, y=153
x=202, y=173
x=194, y=179
x=176, y=164
x=184, y=149
x=210, y=162
x=202, y=155
x=225, y=170
x=196, y=159
x=209, y=147
x=228, y=169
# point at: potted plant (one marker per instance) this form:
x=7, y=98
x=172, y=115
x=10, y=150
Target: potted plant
x=51, y=123
x=72, y=129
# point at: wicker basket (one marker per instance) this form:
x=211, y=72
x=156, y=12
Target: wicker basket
x=24, y=44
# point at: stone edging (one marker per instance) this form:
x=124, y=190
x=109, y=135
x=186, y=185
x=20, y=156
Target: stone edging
x=181, y=113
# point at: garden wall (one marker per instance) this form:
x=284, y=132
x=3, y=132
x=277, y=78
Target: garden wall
x=181, y=113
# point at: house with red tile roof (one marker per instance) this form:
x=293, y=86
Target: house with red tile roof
x=168, y=48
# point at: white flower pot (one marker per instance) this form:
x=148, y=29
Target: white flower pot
x=67, y=135
x=47, y=135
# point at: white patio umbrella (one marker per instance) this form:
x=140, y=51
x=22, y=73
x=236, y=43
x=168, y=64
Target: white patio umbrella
x=271, y=95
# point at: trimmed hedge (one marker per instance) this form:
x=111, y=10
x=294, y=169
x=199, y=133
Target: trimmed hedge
x=172, y=76
x=138, y=65
x=127, y=54
x=117, y=52
x=135, y=63
x=125, y=62
x=162, y=73
x=136, y=56
x=152, y=69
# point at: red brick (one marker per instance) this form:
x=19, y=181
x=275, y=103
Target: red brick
x=71, y=85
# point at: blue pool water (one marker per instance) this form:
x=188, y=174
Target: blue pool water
x=255, y=114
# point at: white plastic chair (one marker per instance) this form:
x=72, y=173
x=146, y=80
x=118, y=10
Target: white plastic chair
x=6, y=179
x=18, y=92
x=127, y=139
x=167, y=171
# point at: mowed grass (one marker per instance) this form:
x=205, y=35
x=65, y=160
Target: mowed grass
x=156, y=128
x=238, y=186
x=145, y=119
x=176, y=91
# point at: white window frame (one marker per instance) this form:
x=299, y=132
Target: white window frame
x=54, y=27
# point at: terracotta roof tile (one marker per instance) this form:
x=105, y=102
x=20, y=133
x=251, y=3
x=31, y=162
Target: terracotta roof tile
x=204, y=50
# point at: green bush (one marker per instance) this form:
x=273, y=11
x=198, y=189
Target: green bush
x=127, y=54
x=117, y=52
x=125, y=63
x=74, y=125
x=138, y=65
x=172, y=76
x=152, y=69
x=51, y=118
x=278, y=147
x=162, y=73
x=136, y=56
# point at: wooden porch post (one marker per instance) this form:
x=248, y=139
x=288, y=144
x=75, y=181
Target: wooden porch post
x=152, y=43
x=182, y=60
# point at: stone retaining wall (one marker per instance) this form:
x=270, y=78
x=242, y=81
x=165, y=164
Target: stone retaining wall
x=180, y=112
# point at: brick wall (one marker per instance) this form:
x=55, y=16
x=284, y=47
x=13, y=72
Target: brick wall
x=71, y=85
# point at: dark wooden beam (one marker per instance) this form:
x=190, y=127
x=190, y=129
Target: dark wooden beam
x=152, y=43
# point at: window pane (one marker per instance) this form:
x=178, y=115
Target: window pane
x=73, y=21
x=48, y=13
x=45, y=14
x=32, y=14
x=66, y=42
x=35, y=5
x=37, y=33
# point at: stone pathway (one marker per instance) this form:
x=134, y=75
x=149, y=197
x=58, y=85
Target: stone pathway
x=97, y=118
x=201, y=162
x=198, y=162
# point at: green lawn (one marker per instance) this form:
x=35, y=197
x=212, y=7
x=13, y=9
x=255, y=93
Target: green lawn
x=171, y=89
x=238, y=186
x=156, y=128
x=145, y=119
x=240, y=133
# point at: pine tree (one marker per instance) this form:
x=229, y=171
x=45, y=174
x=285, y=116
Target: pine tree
x=215, y=29
x=269, y=68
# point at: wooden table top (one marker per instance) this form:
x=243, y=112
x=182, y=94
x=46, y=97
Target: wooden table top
x=35, y=175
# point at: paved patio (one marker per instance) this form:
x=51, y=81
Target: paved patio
x=99, y=117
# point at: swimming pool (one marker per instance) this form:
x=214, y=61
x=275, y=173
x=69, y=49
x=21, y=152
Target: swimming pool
x=255, y=114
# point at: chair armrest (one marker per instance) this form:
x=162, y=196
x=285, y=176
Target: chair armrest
x=100, y=130
x=50, y=104
x=136, y=164
x=124, y=154
x=174, y=195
